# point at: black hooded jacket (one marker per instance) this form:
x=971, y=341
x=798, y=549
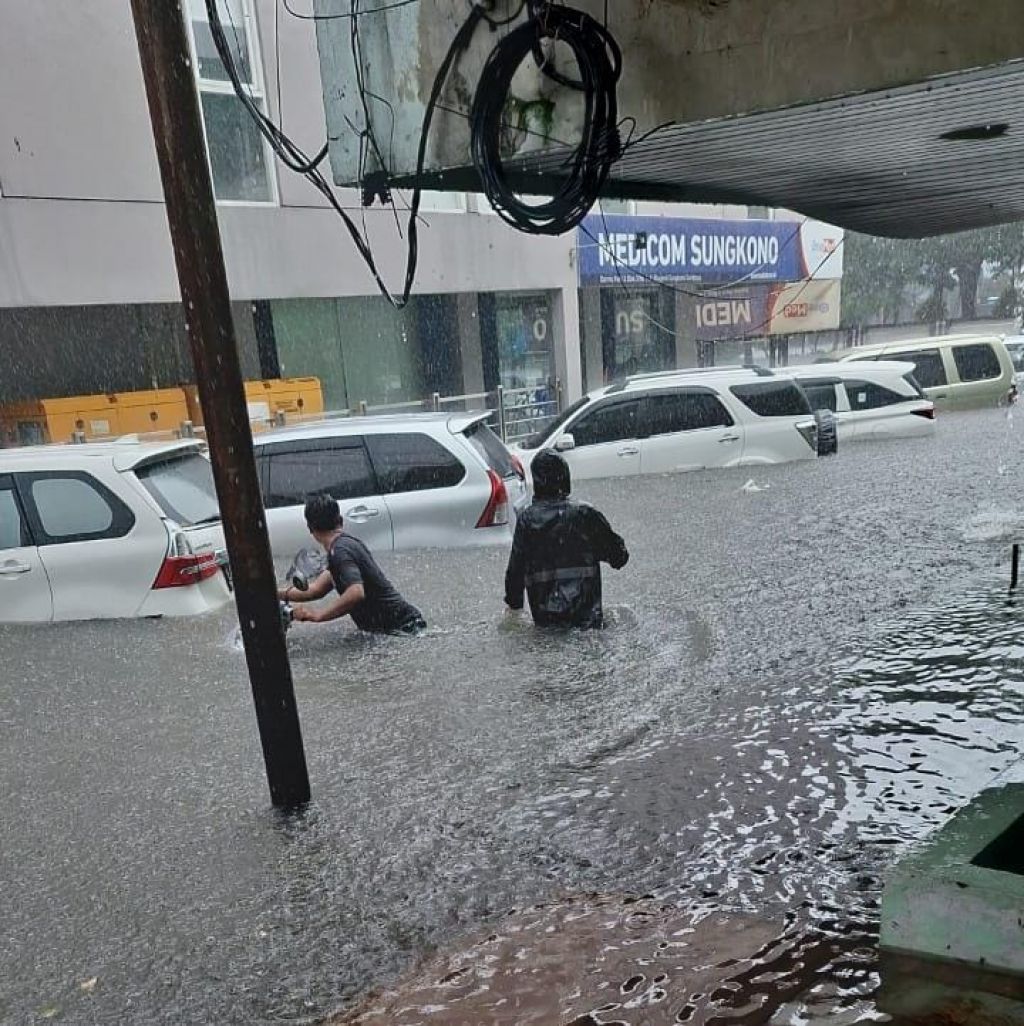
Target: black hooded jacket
x=557, y=550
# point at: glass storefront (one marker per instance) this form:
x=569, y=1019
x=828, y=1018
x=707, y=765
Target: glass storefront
x=522, y=327
x=638, y=331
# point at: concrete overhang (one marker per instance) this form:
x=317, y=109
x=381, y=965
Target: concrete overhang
x=895, y=118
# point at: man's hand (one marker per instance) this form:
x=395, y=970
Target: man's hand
x=304, y=614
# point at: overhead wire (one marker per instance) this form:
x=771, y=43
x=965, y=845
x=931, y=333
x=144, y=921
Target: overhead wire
x=348, y=14
x=296, y=159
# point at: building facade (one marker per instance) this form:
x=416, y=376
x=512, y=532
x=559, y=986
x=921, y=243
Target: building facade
x=88, y=295
x=89, y=299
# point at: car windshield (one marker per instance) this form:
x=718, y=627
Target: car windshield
x=538, y=438
x=183, y=488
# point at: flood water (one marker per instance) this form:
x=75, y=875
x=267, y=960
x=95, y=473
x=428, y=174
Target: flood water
x=681, y=818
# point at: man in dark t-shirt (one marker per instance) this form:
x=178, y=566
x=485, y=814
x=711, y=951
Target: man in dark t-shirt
x=364, y=592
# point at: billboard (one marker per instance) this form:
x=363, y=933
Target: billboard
x=754, y=311
x=616, y=248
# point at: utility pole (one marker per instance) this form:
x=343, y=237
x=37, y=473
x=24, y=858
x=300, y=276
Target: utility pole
x=192, y=216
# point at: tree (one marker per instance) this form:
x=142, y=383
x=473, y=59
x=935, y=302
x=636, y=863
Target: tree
x=881, y=274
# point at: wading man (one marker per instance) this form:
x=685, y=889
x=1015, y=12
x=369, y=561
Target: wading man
x=363, y=591
x=557, y=551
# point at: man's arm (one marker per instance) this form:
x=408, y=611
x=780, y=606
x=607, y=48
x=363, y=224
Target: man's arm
x=608, y=546
x=335, y=609
x=515, y=574
x=318, y=587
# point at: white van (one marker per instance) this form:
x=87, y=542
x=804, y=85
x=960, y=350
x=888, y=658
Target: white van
x=870, y=400
x=953, y=370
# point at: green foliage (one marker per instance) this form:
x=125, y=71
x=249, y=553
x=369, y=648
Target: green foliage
x=882, y=275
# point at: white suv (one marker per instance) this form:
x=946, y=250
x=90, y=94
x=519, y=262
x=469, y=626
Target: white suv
x=870, y=399
x=683, y=420
x=109, y=530
x=408, y=481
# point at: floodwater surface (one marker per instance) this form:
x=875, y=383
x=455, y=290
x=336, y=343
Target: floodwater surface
x=682, y=818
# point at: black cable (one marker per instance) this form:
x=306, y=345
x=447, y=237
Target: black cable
x=599, y=61
x=353, y=15
x=297, y=160
x=288, y=152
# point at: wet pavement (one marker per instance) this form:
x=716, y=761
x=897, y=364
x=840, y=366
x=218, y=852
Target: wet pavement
x=798, y=680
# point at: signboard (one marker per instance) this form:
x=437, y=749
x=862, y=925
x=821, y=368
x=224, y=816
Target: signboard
x=619, y=248
x=811, y=306
x=760, y=310
x=738, y=313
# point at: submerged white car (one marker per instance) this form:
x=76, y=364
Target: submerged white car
x=870, y=399
x=109, y=530
x=683, y=420
x=430, y=480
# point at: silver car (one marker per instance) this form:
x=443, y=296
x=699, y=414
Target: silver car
x=409, y=481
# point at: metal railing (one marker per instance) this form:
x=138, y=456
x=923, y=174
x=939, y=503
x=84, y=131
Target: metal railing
x=513, y=413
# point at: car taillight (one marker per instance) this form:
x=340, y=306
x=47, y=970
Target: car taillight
x=495, y=513
x=928, y=413
x=182, y=567
x=517, y=466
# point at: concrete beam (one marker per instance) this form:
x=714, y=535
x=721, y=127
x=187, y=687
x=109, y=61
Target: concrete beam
x=684, y=61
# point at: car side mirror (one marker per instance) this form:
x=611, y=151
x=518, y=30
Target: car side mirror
x=565, y=443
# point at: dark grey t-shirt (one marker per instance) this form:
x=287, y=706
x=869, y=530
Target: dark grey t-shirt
x=383, y=609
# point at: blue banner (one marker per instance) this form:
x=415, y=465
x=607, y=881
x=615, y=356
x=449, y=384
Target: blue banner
x=618, y=247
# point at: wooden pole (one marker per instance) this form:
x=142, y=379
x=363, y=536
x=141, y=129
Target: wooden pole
x=192, y=215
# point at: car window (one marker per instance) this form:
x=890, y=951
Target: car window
x=183, y=488
x=929, y=370
x=341, y=470
x=866, y=395
x=820, y=394
x=491, y=448
x=609, y=423
x=413, y=463
x=76, y=507
x=772, y=398
x=685, y=411
x=1017, y=357
x=13, y=529
x=977, y=362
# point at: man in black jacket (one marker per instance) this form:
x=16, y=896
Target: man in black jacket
x=557, y=550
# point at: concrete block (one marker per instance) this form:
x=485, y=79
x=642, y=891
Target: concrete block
x=959, y=897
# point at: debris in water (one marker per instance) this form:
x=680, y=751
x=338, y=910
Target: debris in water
x=753, y=486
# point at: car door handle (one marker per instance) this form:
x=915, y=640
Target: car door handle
x=13, y=569
x=630, y=450
x=728, y=438
x=360, y=513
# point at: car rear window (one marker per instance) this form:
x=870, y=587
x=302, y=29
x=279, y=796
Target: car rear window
x=412, y=462
x=866, y=395
x=773, y=398
x=977, y=362
x=929, y=370
x=183, y=488
x=491, y=448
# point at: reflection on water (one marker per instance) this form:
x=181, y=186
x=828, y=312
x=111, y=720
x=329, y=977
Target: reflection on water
x=768, y=909
x=682, y=818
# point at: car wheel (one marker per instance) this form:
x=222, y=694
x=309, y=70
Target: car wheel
x=828, y=432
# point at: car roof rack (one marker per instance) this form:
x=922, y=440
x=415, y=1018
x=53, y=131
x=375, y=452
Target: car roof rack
x=622, y=383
